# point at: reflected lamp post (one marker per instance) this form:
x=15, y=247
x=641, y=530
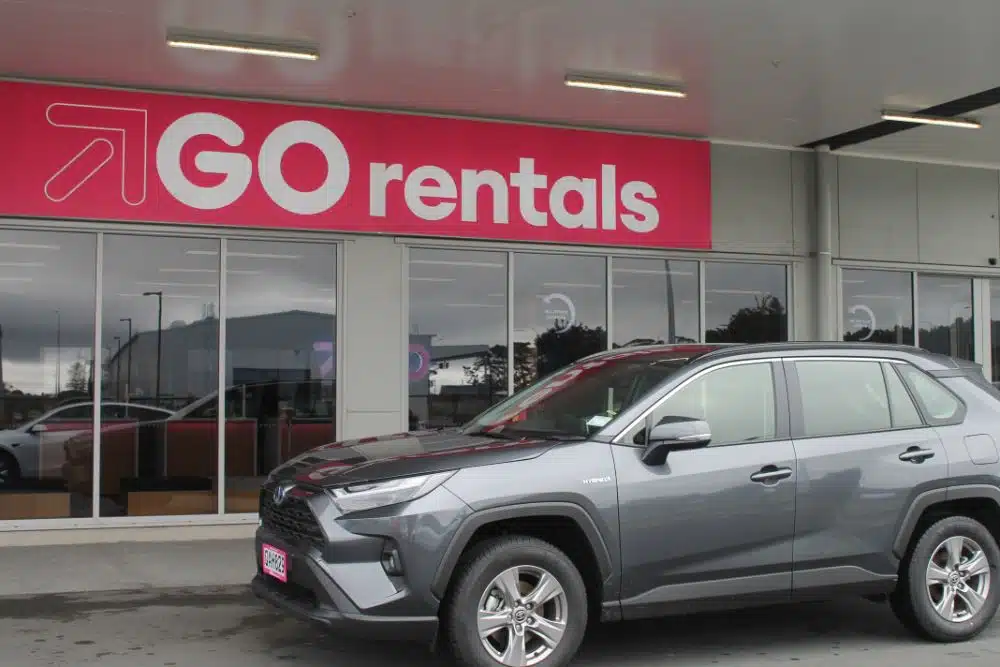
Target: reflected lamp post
x=58, y=352
x=118, y=369
x=128, y=374
x=159, y=337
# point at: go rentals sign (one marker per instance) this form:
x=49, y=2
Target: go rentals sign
x=87, y=153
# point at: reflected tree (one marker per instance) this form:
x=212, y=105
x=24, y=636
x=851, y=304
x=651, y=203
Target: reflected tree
x=558, y=348
x=763, y=323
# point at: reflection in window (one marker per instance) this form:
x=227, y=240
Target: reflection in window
x=840, y=397
x=47, y=295
x=654, y=301
x=281, y=308
x=945, y=310
x=560, y=312
x=878, y=306
x=458, y=335
x=161, y=336
x=995, y=329
x=745, y=303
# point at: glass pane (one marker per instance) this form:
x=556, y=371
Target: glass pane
x=161, y=337
x=654, y=301
x=878, y=306
x=47, y=294
x=560, y=312
x=281, y=308
x=736, y=401
x=945, y=308
x=995, y=329
x=458, y=335
x=745, y=303
x=904, y=412
x=842, y=397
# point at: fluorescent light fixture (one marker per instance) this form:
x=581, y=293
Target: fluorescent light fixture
x=432, y=280
x=654, y=272
x=574, y=285
x=29, y=265
x=29, y=246
x=162, y=284
x=240, y=45
x=920, y=119
x=437, y=262
x=738, y=292
x=623, y=85
x=254, y=255
x=165, y=296
x=474, y=305
x=16, y=279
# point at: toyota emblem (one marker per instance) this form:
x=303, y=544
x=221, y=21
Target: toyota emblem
x=281, y=493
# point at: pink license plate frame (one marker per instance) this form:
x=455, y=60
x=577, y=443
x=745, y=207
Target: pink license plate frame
x=274, y=562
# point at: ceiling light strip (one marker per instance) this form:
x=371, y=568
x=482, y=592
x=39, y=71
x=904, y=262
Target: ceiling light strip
x=920, y=119
x=272, y=49
x=623, y=86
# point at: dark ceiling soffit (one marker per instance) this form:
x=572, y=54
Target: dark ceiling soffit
x=957, y=107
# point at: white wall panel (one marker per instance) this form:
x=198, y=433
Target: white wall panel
x=374, y=367
x=752, y=200
x=957, y=214
x=877, y=209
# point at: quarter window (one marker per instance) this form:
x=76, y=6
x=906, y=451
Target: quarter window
x=841, y=397
x=939, y=403
x=737, y=402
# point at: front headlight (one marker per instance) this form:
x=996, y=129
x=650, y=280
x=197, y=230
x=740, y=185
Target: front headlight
x=360, y=497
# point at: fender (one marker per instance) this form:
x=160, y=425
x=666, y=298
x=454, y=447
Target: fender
x=933, y=497
x=477, y=520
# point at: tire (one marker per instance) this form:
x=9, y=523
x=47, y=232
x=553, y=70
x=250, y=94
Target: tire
x=480, y=573
x=10, y=471
x=975, y=597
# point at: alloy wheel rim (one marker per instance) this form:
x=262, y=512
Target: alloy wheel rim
x=522, y=616
x=958, y=579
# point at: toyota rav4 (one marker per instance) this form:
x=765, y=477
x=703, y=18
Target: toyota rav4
x=651, y=481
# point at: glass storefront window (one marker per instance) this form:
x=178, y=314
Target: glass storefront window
x=746, y=303
x=560, y=312
x=47, y=297
x=161, y=336
x=654, y=301
x=281, y=309
x=878, y=306
x=995, y=329
x=458, y=335
x=944, y=306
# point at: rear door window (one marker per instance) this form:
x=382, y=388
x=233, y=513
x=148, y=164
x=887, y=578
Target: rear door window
x=841, y=397
x=939, y=404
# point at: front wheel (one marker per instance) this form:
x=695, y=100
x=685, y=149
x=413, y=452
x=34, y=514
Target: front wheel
x=516, y=602
x=947, y=590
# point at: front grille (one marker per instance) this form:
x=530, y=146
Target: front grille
x=292, y=519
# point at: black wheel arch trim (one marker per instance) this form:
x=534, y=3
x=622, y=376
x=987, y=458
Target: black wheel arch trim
x=933, y=497
x=480, y=518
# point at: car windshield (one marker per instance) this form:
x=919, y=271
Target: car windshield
x=579, y=400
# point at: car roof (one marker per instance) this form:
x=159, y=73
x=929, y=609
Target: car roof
x=705, y=351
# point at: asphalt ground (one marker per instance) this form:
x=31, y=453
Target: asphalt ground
x=227, y=627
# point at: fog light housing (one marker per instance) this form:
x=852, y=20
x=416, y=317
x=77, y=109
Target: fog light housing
x=391, y=561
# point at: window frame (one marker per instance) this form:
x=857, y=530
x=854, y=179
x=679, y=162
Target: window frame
x=625, y=437
x=795, y=396
x=957, y=418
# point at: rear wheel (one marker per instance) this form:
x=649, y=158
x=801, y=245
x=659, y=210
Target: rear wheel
x=10, y=471
x=516, y=602
x=947, y=588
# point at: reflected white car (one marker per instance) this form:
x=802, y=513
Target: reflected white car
x=34, y=450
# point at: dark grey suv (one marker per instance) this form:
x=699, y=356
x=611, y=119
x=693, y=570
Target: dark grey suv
x=651, y=481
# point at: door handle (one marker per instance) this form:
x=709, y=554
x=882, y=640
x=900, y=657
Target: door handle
x=916, y=455
x=771, y=475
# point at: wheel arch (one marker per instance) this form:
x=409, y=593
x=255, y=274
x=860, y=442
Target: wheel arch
x=945, y=499
x=482, y=519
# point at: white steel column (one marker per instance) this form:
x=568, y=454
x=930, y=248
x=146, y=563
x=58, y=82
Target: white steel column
x=825, y=274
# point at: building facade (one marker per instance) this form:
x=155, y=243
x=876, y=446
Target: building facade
x=337, y=273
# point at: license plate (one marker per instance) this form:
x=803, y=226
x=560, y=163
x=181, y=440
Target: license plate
x=274, y=562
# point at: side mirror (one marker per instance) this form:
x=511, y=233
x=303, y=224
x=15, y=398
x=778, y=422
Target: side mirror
x=675, y=434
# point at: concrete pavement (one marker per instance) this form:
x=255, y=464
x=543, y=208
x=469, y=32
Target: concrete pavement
x=226, y=627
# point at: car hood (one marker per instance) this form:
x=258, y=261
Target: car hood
x=402, y=455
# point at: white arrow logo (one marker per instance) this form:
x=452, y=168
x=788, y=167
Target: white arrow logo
x=131, y=126
x=570, y=311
